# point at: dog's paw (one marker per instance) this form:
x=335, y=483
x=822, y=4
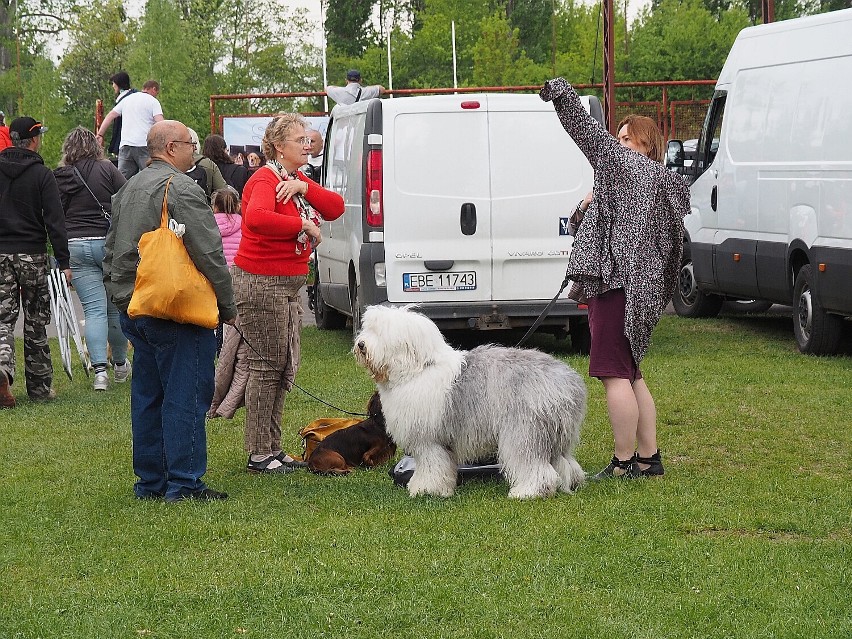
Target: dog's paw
x=416, y=488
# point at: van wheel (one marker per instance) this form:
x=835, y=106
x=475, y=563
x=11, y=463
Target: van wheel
x=817, y=332
x=327, y=319
x=688, y=300
x=355, y=305
x=581, y=338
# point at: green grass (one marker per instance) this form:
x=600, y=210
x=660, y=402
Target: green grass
x=748, y=534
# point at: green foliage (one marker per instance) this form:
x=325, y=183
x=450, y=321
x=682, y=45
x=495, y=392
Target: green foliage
x=348, y=27
x=746, y=536
x=99, y=46
x=680, y=40
x=533, y=20
x=498, y=59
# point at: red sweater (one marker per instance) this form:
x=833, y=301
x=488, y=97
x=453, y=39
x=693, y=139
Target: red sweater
x=270, y=228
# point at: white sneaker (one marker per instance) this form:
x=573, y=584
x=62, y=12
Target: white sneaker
x=101, y=381
x=122, y=373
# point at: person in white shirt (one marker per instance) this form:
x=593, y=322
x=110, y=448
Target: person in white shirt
x=353, y=91
x=139, y=111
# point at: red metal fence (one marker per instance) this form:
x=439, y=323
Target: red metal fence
x=680, y=116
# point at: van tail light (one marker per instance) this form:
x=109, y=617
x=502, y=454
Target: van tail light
x=375, y=214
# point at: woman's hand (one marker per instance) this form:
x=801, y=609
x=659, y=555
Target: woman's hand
x=584, y=205
x=313, y=231
x=287, y=189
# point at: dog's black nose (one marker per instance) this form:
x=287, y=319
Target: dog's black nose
x=361, y=346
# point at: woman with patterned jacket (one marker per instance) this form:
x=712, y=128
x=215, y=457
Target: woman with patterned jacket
x=282, y=212
x=624, y=264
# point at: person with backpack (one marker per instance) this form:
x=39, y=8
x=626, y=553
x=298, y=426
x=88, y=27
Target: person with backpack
x=216, y=149
x=353, y=91
x=204, y=171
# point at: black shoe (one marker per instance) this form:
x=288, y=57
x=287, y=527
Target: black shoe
x=626, y=469
x=205, y=494
x=655, y=465
x=264, y=466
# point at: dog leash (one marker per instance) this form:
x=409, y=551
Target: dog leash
x=306, y=392
x=545, y=312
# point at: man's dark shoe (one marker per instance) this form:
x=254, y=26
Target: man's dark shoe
x=285, y=459
x=205, y=494
x=655, y=465
x=7, y=400
x=623, y=469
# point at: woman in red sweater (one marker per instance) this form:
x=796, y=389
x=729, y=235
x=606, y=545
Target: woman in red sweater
x=282, y=213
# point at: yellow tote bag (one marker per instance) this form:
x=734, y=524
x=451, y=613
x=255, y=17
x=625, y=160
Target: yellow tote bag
x=168, y=285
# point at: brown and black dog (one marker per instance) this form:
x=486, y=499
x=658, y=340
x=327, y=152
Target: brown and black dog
x=365, y=443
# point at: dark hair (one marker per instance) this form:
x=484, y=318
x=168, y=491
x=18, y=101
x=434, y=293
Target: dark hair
x=216, y=149
x=151, y=84
x=226, y=201
x=121, y=79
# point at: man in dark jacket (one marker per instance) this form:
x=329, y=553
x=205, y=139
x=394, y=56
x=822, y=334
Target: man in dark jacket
x=30, y=213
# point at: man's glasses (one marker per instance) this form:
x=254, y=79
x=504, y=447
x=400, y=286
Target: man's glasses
x=194, y=144
x=305, y=141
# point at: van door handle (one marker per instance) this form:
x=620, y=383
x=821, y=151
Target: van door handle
x=468, y=218
x=713, y=197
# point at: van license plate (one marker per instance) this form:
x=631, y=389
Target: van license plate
x=446, y=281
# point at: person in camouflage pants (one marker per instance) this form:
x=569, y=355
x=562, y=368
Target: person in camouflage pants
x=23, y=282
x=30, y=214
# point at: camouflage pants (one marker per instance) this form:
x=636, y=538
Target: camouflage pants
x=23, y=281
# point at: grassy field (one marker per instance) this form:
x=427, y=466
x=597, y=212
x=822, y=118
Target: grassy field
x=747, y=535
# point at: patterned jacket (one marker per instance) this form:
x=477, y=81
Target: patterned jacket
x=632, y=234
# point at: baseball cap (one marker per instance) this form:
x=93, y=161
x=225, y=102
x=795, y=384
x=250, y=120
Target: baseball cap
x=26, y=128
x=353, y=74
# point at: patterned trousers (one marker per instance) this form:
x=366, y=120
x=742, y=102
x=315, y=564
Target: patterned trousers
x=23, y=282
x=270, y=311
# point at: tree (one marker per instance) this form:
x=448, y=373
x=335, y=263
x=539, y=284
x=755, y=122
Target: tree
x=99, y=45
x=348, y=26
x=533, y=20
x=498, y=59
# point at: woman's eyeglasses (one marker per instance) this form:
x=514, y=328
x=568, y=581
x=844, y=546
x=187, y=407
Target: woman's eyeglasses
x=305, y=141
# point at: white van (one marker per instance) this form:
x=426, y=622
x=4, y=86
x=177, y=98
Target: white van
x=459, y=203
x=771, y=214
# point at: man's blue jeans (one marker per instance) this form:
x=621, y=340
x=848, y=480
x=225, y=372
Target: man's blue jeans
x=170, y=394
x=102, y=324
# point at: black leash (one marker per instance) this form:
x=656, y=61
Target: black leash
x=306, y=392
x=545, y=312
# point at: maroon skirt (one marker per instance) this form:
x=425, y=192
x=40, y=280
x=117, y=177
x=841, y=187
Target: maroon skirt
x=610, y=354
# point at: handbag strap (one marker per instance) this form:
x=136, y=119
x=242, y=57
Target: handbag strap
x=164, y=218
x=79, y=175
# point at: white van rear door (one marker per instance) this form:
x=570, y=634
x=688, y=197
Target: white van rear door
x=537, y=177
x=435, y=176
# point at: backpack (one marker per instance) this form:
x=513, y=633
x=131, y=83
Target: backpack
x=203, y=179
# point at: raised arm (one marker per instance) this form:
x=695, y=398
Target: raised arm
x=592, y=139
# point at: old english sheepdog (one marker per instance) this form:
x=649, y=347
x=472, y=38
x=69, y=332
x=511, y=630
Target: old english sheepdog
x=445, y=406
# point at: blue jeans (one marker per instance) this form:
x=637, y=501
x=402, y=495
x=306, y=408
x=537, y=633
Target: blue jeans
x=170, y=394
x=132, y=159
x=102, y=323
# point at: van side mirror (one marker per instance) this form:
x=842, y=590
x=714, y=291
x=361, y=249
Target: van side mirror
x=674, y=154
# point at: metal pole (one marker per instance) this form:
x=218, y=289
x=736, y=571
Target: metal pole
x=324, y=61
x=455, y=76
x=609, y=66
x=388, y=25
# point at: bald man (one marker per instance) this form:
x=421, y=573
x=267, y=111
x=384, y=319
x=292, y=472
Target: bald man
x=173, y=364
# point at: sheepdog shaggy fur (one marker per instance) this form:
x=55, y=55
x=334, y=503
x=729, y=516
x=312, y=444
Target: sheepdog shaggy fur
x=445, y=406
